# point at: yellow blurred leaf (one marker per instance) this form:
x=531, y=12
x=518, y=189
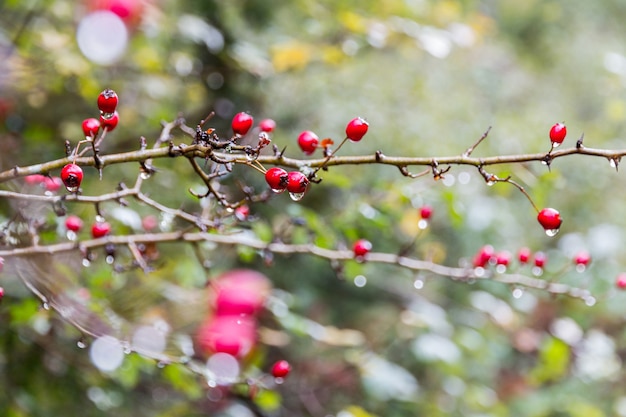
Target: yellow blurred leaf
x=446, y=11
x=291, y=56
x=409, y=222
x=268, y=400
x=353, y=22
x=583, y=409
x=357, y=411
x=332, y=54
x=148, y=59
x=615, y=109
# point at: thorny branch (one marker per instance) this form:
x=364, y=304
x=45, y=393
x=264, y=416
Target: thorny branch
x=221, y=155
x=207, y=145
x=200, y=150
x=454, y=273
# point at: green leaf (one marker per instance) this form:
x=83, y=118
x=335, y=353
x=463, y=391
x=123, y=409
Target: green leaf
x=554, y=359
x=268, y=400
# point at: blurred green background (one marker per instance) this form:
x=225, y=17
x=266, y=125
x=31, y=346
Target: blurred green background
x=430, y=77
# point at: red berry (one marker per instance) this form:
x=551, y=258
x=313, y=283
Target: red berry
x=267, y=125
x=426, y=212
x=281, y=369
x=356, y=129
x=297, y=182
x=524, y=255
x=130, y=11
x=235, y=335
x=242, y=212
x=277, y=178
x=100, y=229
x=540, y=259
x=503, y=258
x=35, y=179
x=109, y=123
x=582, y=258
x=550, y=220
x=483, y=256
x=1, y=293
x=557, y=134
x=242, y=122
x=241, y=291
x=72, y=176
x=91, y=127
x=361, y=247
x=53, y=183
x=308, y=142
x=73, y=223
x=149, y=223
x=237, y=301
x=620, y=281
x=107, y=101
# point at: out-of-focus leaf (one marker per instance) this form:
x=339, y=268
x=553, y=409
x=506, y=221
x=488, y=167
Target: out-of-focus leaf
x=23, y=312
x=179, y=377
x=584, y=409
x=354, y=411
x=554, y=360
x=268, y=400
x=291, y=56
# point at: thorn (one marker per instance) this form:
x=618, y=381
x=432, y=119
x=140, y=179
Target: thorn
x=579, y=142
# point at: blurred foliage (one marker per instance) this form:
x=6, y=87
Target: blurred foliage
x=430, y=77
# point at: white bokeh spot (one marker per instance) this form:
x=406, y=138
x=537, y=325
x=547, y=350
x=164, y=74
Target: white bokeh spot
x=102, y=37
x=106, y=353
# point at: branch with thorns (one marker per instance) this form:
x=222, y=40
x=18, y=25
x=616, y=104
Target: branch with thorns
x=223, y=153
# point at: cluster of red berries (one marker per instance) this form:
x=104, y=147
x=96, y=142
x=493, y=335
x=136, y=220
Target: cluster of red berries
x=242, y=123
x=487, y=256
x=296, y=182
x=549, y=218
x=308, y=141
x=99, y=229
x=72, y=174
x=237, y=298
x=280, y=180
x=109, y=118
x=50, y=184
